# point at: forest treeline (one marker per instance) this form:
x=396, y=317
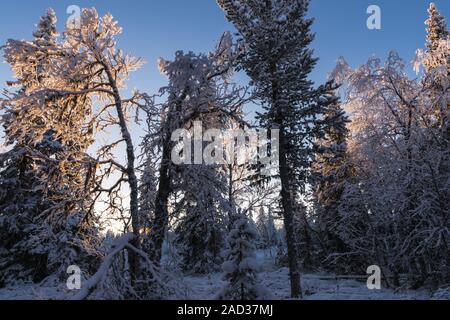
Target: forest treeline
x=363, y=176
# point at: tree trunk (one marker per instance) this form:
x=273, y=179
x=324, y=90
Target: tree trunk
x=161, y=221
x=286, y=201
x=286, y=192
x=132, y=178
x=161, y=206
x=231, y=213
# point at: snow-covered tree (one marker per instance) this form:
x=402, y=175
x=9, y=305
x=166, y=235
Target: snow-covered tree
x=200, y=96
x=199, y=90
x=380, y=100
x=47, y=177
x=436, y=63
x=92, y=48
x=437, y=28
x=275, y=37
x=240, y=267
x=200, y=233
x=57, y=110
x=268, y=235
x=331, y=170
x=392, y=211
x=147, y=195
x=203, y=217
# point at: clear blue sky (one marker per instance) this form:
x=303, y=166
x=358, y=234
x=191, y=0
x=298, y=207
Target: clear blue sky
x=157, y=28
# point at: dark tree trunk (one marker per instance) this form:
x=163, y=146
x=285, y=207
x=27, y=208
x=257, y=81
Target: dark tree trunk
x=286, y=201
x=161, y=206
x=231, y=213
x=161, y=221
x=286, y=192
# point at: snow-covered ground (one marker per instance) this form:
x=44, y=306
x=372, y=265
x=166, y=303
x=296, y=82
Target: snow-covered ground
x=314, y=286
x=274, y=280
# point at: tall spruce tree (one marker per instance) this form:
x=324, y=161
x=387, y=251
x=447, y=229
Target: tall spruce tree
x=437, y=28
x=200, y=233
x=276, y=36
x=436, y=62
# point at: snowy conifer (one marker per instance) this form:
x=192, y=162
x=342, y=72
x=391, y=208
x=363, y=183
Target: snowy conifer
x=266, y=228
x=330, y=169
x=393, y=202
x=240, y=268
x=200, y=233
x=46, y=201
x=47, y=176
x=437, y=28
x=147, y=196
x=276, y=36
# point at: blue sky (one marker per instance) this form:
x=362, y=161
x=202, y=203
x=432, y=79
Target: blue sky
x=157, y=28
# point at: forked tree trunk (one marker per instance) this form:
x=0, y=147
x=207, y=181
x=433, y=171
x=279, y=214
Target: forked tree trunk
x=161, y=221
x=132, y=178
